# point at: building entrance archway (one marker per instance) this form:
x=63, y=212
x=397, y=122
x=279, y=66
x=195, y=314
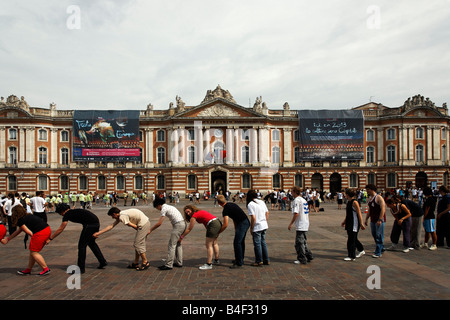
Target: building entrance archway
x=335, y=183
x=219, y=182
x=317, y=181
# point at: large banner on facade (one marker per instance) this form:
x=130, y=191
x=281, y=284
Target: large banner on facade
x=106, y=135
x=331, y=134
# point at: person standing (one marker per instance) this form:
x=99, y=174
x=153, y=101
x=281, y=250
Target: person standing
x=241, y=226
x=429, y=218
x=213, y=227
x=377, y=214
x=9, y=204
x=39, y=205
x=353, y=222
x=137, y=220
x=259, y=216
x=39, y=232
x=90, y=224
x=300, y=218
x=443, y=217
x=401, y=224
x=175, y=250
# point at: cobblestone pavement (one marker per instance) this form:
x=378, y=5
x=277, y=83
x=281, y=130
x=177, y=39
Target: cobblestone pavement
x=417, y=275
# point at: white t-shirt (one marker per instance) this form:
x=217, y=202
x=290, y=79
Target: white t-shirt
x=172, y=213
x=38, y=204
x=300, y=206
x=258, y=209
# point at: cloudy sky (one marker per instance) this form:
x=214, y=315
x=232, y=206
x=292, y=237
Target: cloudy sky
x=328, y=54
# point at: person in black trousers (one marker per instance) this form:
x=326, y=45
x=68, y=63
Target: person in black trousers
x=353, y=222
x=91, y=225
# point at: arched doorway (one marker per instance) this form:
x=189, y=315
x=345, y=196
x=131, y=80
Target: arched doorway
x=218, y=182
x=421, y=180
x=317, y=181
x=335, y=183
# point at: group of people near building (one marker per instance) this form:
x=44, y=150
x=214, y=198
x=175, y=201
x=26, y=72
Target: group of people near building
x=28, y=215
x=410, y=219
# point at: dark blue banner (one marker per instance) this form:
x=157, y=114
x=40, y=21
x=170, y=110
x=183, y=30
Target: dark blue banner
x=331, y=135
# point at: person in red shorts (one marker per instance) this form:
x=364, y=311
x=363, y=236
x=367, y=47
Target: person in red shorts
x=213, y=227
x=39, y=232
x=2, y=231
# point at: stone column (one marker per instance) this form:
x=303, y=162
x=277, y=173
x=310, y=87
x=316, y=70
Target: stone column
x=429, y=146
x=30, y=147
x=253, y=146
x=2, y=146
x=236, y=146
x=229, y=146
x=54, y=148
x=287, y=147
x=22, y=142
x=199, y=142
x=173, y=150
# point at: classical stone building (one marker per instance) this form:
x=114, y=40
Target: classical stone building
x=219, y=144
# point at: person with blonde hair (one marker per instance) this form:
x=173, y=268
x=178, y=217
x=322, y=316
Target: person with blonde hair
x=213, y=227
x=38, y=230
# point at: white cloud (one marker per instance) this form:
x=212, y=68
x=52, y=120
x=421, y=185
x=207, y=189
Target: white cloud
x=312, y=54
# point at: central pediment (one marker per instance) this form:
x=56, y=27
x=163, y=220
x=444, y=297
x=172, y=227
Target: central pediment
x=218, y=108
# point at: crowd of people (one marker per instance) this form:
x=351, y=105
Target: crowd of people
x=22, y=213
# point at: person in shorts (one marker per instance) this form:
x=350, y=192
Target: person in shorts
x=429, y=218
x=137, y=220
x=213, y=227
x=38, y=230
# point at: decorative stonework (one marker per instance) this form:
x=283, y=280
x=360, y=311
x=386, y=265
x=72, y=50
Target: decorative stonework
x=14, y=101
x=218, y=110
x=218, y=93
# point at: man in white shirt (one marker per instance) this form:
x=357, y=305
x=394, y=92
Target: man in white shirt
x=175, y=251
x=259, y=215
x=300, y=217
x=39, y=205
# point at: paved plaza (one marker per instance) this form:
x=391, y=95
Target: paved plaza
x=417, y=275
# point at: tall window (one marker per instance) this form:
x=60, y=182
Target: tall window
x=391, y=157
x=245, y=134
x=160, y=136
x=276, y=155
x=64, y=156
x=64, y=136
x=42, y=156
x=370, y=135
x=297, y=155
x=83, y=183
x=160, y=182
x=298, y=180
x=419, y=133
x=12, y=183
x=275, y=135
x=191, y=134
x=419, y=153
x=276, y=181
x=353, y=180
x=218, y=152
x=161, y=155
x=42, y=135
x=101, y=182
x=42, y=183
x=138, y=183
x=120, y=180
x=12, y=134
x=391, y=180
x=444, y=153
x=370, y=155
x=64, y=182
x=12, y=155
x=192, y=181
x=246, y=181
x=245, y=154
x=371, y=178
x=191, y=154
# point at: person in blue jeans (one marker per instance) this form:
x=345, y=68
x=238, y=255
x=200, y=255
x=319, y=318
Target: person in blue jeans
x=259, y=215
x=377, y=214
x=241, y=226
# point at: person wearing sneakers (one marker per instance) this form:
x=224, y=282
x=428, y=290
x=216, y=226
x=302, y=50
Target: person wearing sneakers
x=353, y=222
x=38, y=230
x=213, y=227
x=429, y=218
x=376, y=213
x=259, y=215
x=175, y=250
x=300, y=217
x=402, y=224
